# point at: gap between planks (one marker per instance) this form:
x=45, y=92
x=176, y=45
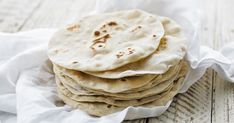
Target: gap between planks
x=223, y=91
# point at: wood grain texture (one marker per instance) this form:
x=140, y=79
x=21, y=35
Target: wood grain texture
x=14, y=13
x=223, y=91
x=55, y=14
x=192, y=106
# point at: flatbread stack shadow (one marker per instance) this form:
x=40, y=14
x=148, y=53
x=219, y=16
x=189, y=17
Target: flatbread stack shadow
x=104, y=63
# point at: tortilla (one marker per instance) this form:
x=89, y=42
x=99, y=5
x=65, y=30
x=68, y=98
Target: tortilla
x=123, y=96
x=106, y=41
x=171, y=50
x=110, y=100
x=101, y=109
x=113, y=85
x=108, y=85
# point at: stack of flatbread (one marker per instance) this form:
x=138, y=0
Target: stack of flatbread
x=104, y=63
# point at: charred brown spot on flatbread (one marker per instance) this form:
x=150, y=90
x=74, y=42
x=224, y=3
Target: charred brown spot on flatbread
x=96, y=33
x=130, y=51
x=137, y=28
x=73, y=27
x=100, y=42
x=102, y=39
x=112, y=23
x=120, y=54
x=103, y=26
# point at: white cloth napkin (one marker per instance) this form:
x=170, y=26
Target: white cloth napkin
x=27, y=87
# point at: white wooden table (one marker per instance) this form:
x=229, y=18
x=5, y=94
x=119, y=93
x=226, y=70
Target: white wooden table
x=211, y=99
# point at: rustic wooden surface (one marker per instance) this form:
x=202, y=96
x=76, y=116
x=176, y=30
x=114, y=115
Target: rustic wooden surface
x=211, y=99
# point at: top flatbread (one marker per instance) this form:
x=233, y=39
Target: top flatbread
x=106, y=41
x=171, y=50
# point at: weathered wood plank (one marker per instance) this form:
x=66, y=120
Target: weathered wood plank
x=208, y=22
x=55, y=14
x=223, y=91
x=192, y=106
x=14, y=13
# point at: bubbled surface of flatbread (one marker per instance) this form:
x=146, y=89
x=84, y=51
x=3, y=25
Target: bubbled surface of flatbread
x=106, y=41
x=171, y=50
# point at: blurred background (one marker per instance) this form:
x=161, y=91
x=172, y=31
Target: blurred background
x=18, y=15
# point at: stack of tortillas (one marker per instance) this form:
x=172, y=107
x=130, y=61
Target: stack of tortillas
x=104, y=63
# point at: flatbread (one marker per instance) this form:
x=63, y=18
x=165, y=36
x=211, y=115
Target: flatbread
x=154, y=87
x=101, y=109
x=180, y=70
x=108, y=85
x=78, y=90
x=112, y=85
x=124, y=96
x=104, y=63
x=106, y=41
x=171, y=50
x=110, y=100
